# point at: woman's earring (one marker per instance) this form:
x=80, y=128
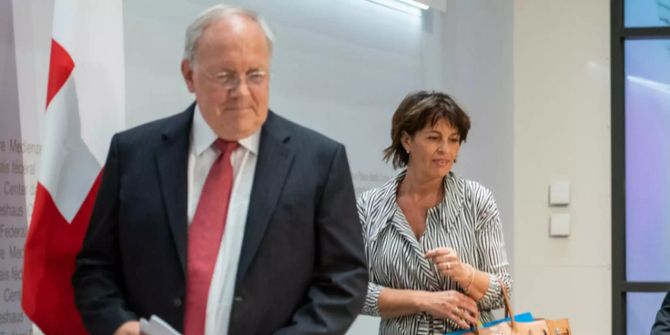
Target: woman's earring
x=407, y=151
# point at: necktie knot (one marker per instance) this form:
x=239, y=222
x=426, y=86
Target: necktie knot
x=226, y=147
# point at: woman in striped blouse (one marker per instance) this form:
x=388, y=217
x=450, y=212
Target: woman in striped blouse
x=434, y=242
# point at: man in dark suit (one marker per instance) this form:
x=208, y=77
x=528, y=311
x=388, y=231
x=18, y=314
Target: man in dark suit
x=225, y=218
x=662, y=324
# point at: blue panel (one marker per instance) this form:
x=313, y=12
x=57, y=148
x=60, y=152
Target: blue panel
x=647, y=13
x=648, y=160
x=641, y=311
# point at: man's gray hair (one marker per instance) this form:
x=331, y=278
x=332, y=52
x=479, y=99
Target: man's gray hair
x=215, y=13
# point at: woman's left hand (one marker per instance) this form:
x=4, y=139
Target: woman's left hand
x=449, y=264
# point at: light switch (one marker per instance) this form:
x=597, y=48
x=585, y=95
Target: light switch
x=559, y=193
x=559, y=225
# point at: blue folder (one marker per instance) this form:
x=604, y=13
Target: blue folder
x=524, y=317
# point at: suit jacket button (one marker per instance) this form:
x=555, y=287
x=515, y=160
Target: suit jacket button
x=177, y=302
x=238, y=299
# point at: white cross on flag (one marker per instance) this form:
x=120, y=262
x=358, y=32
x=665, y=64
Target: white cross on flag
x=85, y=107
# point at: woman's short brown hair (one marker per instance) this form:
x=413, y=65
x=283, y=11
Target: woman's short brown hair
x=417, y=111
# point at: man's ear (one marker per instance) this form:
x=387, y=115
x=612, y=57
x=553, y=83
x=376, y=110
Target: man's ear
x=187, y=72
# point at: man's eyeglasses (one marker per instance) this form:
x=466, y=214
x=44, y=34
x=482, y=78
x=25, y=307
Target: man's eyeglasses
x=230, y=80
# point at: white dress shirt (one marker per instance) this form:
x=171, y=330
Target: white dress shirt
x=202, y=155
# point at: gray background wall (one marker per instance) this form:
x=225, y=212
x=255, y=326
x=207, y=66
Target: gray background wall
x=533, y=75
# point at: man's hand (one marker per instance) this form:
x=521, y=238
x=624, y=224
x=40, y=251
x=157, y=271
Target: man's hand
x=129, y=328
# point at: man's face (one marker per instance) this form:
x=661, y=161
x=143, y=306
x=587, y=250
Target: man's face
x=230, y=76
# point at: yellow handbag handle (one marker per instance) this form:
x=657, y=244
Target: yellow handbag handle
x=508, y=307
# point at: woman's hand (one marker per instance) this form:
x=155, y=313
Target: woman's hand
x=451, y=305
x=449, y=265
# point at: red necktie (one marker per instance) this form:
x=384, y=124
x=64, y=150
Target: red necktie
x=204, y=237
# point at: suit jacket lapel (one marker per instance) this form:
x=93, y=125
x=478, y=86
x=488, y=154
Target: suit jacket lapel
x=274, y=160
x=172, y=163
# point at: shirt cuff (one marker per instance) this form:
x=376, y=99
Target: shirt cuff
x=492, y=299
x=371, y=306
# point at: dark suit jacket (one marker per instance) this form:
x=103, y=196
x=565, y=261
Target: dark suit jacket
x=302, y=269
x=662, y=324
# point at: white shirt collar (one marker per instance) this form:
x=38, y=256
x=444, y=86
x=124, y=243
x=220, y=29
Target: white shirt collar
x=203, y=136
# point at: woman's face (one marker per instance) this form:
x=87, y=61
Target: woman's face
x=433, y=149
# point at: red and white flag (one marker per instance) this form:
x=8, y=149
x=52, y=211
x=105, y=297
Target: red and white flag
x=85, y=107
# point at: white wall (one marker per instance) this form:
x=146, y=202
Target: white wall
x=562, y=131
x=13, y=209
x=479, y=74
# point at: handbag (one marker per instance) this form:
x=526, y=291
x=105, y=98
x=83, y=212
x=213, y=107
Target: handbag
x=514, y=327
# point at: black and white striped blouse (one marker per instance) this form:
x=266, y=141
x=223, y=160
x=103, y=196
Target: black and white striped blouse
x=466, y=220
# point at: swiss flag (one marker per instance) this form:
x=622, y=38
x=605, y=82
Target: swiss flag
x=85, y=107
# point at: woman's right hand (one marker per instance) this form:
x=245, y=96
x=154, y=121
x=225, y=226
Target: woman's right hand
x=452, y=305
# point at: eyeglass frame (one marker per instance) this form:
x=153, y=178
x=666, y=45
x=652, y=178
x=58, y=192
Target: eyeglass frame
x=231, y=80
